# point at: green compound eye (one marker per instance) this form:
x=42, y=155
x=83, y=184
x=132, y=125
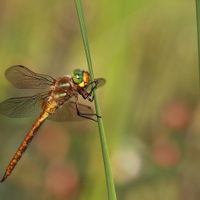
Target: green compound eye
x=77, y=76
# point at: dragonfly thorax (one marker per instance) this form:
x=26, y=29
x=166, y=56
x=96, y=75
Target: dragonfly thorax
x=62, y=84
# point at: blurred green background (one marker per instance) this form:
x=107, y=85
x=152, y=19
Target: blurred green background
x=147, y=52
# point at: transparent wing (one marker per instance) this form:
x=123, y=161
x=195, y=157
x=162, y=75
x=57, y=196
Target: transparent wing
x=23, y=106
x=23, y=78
x=100, y=82
x=67, y=112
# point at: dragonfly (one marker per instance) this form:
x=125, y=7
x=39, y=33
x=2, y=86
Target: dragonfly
x=58, y=103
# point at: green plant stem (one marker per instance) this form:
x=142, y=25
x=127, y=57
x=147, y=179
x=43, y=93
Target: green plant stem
x=108, y=171
x=198, y=31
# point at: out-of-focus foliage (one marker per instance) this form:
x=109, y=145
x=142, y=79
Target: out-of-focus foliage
x=147, y=52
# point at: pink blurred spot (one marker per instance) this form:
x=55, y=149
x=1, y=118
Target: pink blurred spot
x=166, y=154
x=176, y=115
x=53, y=143
x=62, y=180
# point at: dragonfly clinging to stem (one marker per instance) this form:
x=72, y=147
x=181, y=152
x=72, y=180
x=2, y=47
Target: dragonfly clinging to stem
x=54, y=104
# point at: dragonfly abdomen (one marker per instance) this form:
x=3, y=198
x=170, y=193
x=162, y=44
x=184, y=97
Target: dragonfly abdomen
x=24, y=145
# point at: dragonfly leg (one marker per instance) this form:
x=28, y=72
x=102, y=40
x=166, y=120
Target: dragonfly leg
x=92, y=89
x=84, y=115
x=95, y=87
x=96, y=82
x=87, y=95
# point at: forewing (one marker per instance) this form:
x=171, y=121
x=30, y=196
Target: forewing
x=67, y=112
x=23, y=78
x=22, y=106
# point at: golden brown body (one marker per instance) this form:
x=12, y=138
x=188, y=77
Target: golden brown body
x=48, y=110
x=54, y=103
x=56, y=99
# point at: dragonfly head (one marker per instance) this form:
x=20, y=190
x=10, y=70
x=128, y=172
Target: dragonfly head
x=80, y=77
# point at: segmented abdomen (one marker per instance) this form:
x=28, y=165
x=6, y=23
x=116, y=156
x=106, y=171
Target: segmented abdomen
x=24, y=145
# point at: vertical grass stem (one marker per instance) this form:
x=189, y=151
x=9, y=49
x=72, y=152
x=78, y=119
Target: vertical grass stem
x=108, y=171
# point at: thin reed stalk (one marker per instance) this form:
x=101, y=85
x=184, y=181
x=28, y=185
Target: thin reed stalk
x=108, y=171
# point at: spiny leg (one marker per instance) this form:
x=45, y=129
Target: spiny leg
x=87, y=95
x=83, y=114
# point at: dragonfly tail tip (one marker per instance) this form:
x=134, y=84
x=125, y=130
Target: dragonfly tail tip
x=4, y=177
